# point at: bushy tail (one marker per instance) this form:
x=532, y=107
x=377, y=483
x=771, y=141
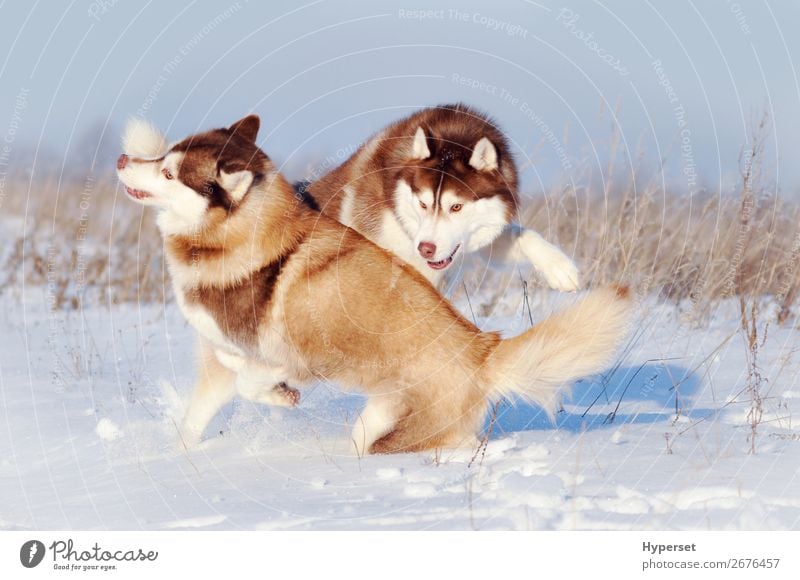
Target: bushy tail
x=573, y=343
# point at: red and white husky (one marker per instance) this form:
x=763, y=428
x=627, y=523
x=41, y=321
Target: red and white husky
x=280, y=293
x=434, y=187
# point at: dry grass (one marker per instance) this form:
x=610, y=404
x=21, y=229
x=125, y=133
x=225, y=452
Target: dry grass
x=749, y=325
x=692, y=250
x=83, y=239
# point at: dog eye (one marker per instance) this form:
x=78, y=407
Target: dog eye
x=423, y=205
x=167, y=173
x=456, y=207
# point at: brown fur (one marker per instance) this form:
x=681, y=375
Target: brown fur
x=238, y=308
x=452, y=132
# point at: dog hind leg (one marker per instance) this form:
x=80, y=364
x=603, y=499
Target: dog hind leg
x=410, y=433
x=418, y=429
x=446, y=423
x=377, y=419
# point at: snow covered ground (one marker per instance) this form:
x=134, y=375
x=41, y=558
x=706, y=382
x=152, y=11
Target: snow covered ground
x=89, y=402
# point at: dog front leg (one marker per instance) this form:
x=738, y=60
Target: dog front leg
x=519, y=245
x=260, y=382
x=214, y=389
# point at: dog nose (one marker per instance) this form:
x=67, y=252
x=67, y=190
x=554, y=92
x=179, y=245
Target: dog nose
x=426, y=249
x=122, y=162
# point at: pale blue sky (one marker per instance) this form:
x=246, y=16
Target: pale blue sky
x=325, y=75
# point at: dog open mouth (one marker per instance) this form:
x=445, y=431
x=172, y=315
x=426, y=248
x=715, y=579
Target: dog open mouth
x=442, y=264
x=137, y=193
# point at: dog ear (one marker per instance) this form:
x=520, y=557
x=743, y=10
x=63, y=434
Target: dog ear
x=484, y=155
x=247, y=127
x=419, y=149
x=236, y=183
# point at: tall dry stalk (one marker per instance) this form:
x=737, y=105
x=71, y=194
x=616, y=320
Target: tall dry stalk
x=748, y=308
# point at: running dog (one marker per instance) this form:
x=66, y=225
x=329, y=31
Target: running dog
x=280, y=293
x=435, y=186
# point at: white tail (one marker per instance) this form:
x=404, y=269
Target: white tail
x=573, y=343
x=143, y=139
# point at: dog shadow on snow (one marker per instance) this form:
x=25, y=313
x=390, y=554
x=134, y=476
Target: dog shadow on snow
x=629, y=395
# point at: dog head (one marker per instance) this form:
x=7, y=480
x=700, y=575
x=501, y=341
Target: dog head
x=456, y=189
x=196, y=182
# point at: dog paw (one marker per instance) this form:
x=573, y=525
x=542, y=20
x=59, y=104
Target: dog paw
x=281, y=395
x=289, y=394
x=560, y=273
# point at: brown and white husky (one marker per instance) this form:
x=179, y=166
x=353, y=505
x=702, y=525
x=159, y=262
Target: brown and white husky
x=434, y=187
x=281, y=293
